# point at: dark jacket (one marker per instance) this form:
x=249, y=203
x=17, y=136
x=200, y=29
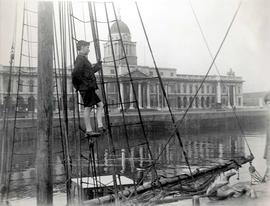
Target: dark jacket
x=83, y=75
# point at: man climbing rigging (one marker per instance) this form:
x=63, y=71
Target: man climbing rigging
x=84, y=81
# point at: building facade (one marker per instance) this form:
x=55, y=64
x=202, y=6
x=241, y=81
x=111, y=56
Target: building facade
x=180, y=88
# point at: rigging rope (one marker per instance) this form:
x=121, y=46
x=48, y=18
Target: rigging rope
x=222, y=82
x=180, y=122
x=164, y=93
x=106, y=111
x=78, y=139
x=134, y=92
x=10, y=154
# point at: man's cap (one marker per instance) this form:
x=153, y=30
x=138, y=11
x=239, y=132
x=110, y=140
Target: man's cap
x=82, y=43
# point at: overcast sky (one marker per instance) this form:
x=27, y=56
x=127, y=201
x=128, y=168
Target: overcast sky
x=175, y=36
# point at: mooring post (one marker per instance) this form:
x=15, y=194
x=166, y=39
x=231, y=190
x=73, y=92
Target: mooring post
x=44, y=105
x=267, y=146
x=196, y=200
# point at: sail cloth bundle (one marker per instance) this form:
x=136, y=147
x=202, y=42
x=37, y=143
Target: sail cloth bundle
x=221, y=189
x=180, y=180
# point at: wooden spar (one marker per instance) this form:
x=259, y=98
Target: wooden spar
x=44, y=105
x=267, y=145
x=173, y=180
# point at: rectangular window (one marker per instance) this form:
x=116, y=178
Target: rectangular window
x=208, y=89
x=171, y=88
x=213, y=89
x=31, y=86
x=161, y=73
x=191, y=88
x=185, y=88
x=223, y=101
x=111, y=87
x=239, y=101
x=112, y=71
x=179, y=88
x=21, y=86
x=152, y=88
x=196, y=87
x=202, y=89
x=171, y=74
x=224, y=89
x=151, y=73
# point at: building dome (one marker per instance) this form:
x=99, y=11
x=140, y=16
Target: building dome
x=123, y=28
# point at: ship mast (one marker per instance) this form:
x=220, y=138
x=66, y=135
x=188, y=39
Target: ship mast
x=44, y=106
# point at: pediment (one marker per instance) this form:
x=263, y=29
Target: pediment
x=136, y=74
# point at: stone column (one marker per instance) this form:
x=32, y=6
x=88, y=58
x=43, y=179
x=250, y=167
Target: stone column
x=158, y=103
x=140, y=95
x=228, y=104
x=234, y=96
x=122, y=95
x=131, y=105
x=148, y=96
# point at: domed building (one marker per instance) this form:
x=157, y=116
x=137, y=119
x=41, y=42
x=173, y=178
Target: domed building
x=130, y=46
x=180, y=88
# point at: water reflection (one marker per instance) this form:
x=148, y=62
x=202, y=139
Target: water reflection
x=202, y=150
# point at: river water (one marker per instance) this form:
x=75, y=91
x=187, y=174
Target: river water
x=203, y=150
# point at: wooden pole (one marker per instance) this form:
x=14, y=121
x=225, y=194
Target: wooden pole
x=44, y=106
x=267, y=146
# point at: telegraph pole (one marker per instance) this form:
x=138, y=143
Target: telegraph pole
x=44, y=105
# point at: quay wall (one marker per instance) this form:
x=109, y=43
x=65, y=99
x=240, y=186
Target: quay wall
x=194, y=121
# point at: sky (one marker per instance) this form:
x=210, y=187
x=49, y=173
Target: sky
x=174, y=35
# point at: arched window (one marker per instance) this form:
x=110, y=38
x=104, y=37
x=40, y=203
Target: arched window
x=207, y=101
x=179, y=102
x=197, y=102
x=8, y=100
x=202, y=102
x=185, y=102
x=31, y=103
x=190, y=100
x=21, y=103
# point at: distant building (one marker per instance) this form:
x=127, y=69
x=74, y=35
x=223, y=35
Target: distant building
x=254, y=98
x=180, y=88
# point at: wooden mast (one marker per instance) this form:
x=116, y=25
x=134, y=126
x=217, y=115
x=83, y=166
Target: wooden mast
x=44, y=105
